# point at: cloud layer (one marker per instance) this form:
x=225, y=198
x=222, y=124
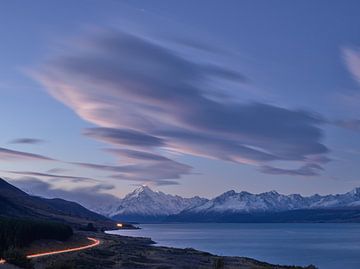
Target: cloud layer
x=305, y=170
x=147, y=98
x=27, y=141
x=51, y=176
x=353, y=124
x=352, y=60
x=91, y=197
x=14, y=155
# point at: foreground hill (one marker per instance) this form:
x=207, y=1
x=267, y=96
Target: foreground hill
x=16, y=203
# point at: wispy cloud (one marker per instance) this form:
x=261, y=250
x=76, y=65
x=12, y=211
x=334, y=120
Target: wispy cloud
x=143, y=180
x=305, y=170
x=352, y=60
x=52, y=176
x=124, y=137
x=27, y=141
x=145, y=96
x=351, y=99
x=92, y=196
x=136, y=156
x=14, y=155
x=57, y=170
x=353, y=124
x=154, y=171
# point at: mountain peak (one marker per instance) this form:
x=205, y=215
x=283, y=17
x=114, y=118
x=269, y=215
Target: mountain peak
x=355, y=191
x=143, y=188
x=143, y=202
x=229, y=193
x=273, y=192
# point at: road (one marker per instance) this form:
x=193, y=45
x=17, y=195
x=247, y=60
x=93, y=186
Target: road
x=94, y=242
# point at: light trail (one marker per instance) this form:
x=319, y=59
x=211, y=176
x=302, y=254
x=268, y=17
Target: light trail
x=94, y=243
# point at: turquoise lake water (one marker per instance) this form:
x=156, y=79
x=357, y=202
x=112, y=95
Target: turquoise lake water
x=328, y=246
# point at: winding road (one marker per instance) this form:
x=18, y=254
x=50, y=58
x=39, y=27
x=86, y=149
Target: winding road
x=94, y=242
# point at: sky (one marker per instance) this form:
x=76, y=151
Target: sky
x=188, y=97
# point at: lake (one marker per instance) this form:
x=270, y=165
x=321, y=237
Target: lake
x=328, y=246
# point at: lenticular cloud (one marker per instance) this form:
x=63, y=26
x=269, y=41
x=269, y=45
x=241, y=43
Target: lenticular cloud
x=147, y=97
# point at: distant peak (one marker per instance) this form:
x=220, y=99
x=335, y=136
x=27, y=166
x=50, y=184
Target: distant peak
x=143, y=189
x=273, y=192
x=229, y=193
x=355, y=191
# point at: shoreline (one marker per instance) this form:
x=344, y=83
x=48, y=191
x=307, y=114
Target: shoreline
x=118, y=251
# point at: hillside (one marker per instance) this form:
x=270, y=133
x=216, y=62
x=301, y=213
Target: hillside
x=16, y=203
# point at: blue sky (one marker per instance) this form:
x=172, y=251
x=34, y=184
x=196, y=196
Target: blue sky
x=190, y=98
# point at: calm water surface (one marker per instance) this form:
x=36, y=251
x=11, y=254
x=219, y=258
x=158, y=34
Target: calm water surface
x=328, y=246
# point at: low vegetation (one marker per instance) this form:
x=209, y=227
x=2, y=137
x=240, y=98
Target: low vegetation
x=16, y=234
x=17, y=257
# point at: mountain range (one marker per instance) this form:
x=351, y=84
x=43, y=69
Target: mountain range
x=146, y=205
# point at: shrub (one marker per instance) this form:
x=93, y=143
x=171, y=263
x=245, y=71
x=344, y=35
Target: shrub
x=219, y=263
x=89, y=227
x=18, y=233
x=16, y=257
x=60, y=265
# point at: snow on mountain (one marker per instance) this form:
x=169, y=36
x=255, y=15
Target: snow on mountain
x=145, y=202
x=232, y=201
x=349, y=199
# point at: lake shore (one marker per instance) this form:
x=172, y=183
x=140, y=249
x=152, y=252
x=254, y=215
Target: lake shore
x=117, y=251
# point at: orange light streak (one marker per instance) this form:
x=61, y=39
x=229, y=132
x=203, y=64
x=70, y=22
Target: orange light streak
x=94, y=243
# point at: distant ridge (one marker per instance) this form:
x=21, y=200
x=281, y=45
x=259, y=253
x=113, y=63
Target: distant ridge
x=274, y=207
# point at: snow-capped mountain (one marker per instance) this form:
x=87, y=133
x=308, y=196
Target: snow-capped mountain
x=246, y=202
x=271, y=206
x=146, y=204
x=349, y=199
